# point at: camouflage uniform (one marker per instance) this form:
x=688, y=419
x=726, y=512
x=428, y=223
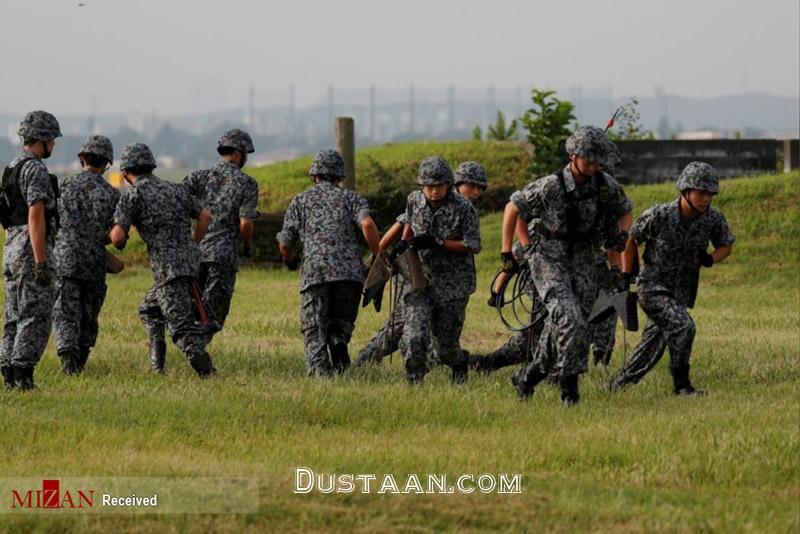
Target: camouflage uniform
x=86, y=208
x=29, y=291
x=563, y=257
x=230, y=195
x=667, y=285
x=161, y=212
x=326, y=219
x=436, y=314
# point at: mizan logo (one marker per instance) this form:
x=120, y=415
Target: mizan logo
x=51, y=497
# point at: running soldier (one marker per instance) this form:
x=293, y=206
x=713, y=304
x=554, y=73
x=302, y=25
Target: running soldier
x=566, y=210
x=231, y=196
x=29, y=213
x=330, y=222
x=676, y=237
x=161, y=212
x=86, y=208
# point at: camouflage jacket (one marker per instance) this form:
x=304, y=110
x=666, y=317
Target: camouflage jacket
x=326, y=219
x=545, y=205
x=162, y=213
x=35, y=186
x=230, y=195
x=86, y=206
x=451, y=275
x=673, y=245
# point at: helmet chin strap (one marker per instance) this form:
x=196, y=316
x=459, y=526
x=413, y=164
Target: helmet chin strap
x=46, y=154
x=685, y=196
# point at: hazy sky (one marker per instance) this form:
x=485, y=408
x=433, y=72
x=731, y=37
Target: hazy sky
x=175, y=56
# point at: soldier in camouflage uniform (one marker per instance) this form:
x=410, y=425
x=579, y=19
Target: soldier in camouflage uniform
x=572, y=211
x=86, y=207
x=162, y=213
x=330, y=222
x=30, y=217
x=443, y=227
x=231, y=196
x=470, y=182
x=676, y=237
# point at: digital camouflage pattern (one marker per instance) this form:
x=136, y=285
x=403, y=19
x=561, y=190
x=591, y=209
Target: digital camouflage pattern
x=434, y=171
x=136, y=155
x=77, y=307
x=327, y=310
x=451, y=276
x=564, y=268
x=238, y=139
x=217, y=284
x=326, y=219
x=470, y=172
x=39, y=125
x=28, y=304
x=673, y=245
x=162, y=213
x=699, y=175
x=327, y=162
x=99, y=145
x=588, y=142
x=387, y=340
x=613, y=158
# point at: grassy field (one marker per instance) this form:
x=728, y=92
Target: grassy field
x=639, y=460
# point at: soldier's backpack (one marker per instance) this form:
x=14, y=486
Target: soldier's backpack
x=13, y=208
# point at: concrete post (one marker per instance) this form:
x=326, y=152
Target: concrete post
x=346, y=146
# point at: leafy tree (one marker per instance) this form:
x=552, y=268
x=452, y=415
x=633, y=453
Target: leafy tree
x=477, y=133
x=548, y=126
x=628, y=124
x=499, y=132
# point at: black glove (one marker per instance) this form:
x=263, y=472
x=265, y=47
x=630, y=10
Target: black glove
x=398, y=250
x=510, y=264
x=706, y=260
x=40, y=274
x=492, y=302
x=247, y=252
x=292, y=264
x=425, y=241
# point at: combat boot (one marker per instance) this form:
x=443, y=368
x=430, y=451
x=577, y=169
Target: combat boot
x=83, y=357
x=201, y=363
x=158, y=356
x=23, y=378
x=460, y=373
x=569, y=390
x=70, y=362
x=683, y=386
x=8, y=377
x=340, y=358
x=524, y=382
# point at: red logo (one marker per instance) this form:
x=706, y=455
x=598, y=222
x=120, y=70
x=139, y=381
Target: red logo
x=51, y=497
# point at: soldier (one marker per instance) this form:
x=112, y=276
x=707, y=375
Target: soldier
x=29, y=214
x=470, y=182
x=231, y=196
x=329, y=221
x=443, y=228
x=676, y=237
x=161, y=212
x=86, y=208
x=568, y=210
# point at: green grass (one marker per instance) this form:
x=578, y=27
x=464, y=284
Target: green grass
x=639, y=460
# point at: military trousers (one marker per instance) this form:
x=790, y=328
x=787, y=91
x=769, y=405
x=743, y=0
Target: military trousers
x=27, y=317
x=328, y=311
x=217, y=283
x=77, y=308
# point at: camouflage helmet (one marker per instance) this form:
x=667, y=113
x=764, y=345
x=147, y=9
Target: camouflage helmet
x=136, y=155
x=434, y=171
x=39, y=125
x=589, y=143
x=327, y=162
x=470, y=172
x=99, y=145
x=699, y=175
x=238, y=139
x=613, y=158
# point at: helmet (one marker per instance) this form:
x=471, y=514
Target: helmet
x=238, y=139
x=39, y=125
x=327, y=162
x=613, y=157
x=470, y=172
x=699, y=175
x=136, y=155
x=434, y=171
x=588, y=142
x=99, y=145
